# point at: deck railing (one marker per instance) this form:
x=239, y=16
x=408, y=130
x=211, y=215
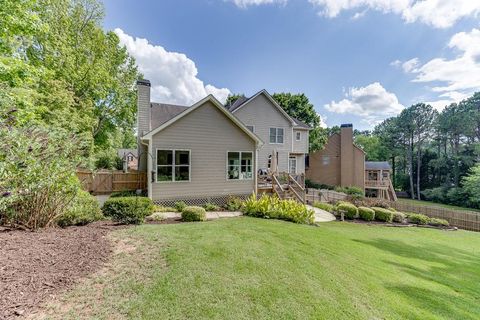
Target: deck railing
x=377, y=183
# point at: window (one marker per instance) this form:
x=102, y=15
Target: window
x=239, y=165
x=251, y=128
x=173, y=165
x=130, y=158
x=326, y=160
x=372, y=175
x=276, y=135
x=292, y=165
x=299, y=136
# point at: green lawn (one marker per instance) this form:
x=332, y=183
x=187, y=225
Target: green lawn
x=434, y=204
x=247, y=268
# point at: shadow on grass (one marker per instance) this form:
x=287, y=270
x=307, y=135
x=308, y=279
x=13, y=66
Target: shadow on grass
x=448, y=278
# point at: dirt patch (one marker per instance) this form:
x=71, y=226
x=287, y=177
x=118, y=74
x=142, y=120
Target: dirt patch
x=37, y=266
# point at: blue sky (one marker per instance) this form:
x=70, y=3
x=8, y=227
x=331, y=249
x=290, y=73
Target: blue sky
x=358, y=61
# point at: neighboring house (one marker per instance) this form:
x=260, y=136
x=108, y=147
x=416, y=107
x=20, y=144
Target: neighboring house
x=339, y=163
x=129, y=158
x=208, y=152
x=377, y=180
x=342, y=163
x=282, y=134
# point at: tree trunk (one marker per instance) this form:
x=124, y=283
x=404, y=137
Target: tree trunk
x=393, y=171
x=410, y=168
x=456, y=169
x=419, y=164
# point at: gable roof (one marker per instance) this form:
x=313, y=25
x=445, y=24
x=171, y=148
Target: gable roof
x=162, y=112
x=269, y=97
x=377, y=165
x=301, y=124
x=218, y=105
x=241, y=100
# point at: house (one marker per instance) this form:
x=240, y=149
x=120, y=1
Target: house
x=342, y=163
x=377, y=180
x=129, y=158
x=208, y=152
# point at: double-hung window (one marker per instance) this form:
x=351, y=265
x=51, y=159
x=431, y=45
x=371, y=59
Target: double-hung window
x=173, y=165
x=276, y=135
x=239, y=165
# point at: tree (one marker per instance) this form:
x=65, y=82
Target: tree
x=371, y=144
x=299, y=107
x=471, y=184
x=232, y=97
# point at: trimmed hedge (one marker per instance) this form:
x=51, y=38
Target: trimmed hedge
x=382, y=214
x=348, y=209
x=193, y=213
x=324, y=206
x=83, y=210
x=233, y=203
x=366, y=214
x=418, y=218
x=128, y=210
x=211, y=207
x=398, y=216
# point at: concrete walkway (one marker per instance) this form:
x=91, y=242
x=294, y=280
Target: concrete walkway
x=322, y=215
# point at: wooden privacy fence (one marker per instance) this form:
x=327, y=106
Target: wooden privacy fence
x=109, y=181
x=324, y=195
x=468, y=220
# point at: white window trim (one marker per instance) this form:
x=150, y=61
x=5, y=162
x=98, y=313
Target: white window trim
x=226, y=165
x=253, y=127
x=298, y=136
x=173, y=165
x=296, y=163
x=276, y=135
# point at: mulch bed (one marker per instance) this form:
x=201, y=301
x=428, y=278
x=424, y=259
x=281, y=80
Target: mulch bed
x=36, y=266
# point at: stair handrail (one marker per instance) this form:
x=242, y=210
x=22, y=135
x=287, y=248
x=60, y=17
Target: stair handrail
x=295, y=182
x=275, y=181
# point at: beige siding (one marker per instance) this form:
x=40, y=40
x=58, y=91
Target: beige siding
x=208, y=134
x=302, y=145
x=324, y=165
x=262, y=114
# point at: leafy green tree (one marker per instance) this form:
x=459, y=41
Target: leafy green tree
x=232, y=98
x=374, y=149
x=471, y=184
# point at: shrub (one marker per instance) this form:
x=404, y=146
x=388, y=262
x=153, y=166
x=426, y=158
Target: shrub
x=382, y=214
x=324, y=206
x=128, y=193
x=349, y=210
x=438, y=222
x=398, y=216
x=273, y=207
x=193, y=213
x=366, y=214
x=164, y=209
x=37, y=174
x=180, y=206
x=314, y=185
x=156, y=216
x=233, y=203
x=418, y=218
x=83, y=210
x=128, y=210
x=211, y=207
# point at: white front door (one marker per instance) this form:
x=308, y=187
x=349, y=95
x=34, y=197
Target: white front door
x=292, y=165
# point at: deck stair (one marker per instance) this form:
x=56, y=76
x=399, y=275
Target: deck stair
x=285, y=186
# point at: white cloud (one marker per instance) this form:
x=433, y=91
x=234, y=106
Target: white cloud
x=457, y=78
x=410, y=65
x=437, y=13
x=173, y=75
x=373, y=103
x=247, y=3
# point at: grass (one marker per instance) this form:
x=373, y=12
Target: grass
x=435, y=204
x=247, y=268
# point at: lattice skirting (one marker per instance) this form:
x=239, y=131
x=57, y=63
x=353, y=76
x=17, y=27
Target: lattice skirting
x=199, y=201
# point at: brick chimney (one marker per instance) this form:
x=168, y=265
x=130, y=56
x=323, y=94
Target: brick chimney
x=346, y=155
x=143, y=120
